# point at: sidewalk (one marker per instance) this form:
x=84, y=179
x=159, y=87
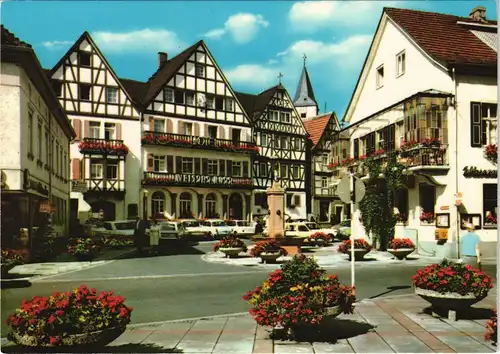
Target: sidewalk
x=386, y=325
x=37, y=270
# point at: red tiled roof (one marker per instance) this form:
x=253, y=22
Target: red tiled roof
x=442, y=38
x=316, y=126
x=8, y=38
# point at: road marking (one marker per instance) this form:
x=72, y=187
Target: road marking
x=44, y=280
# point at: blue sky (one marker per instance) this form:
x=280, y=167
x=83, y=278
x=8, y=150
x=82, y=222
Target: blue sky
x=251, y=41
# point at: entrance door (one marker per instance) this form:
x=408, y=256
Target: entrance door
x=236, y=207
x=338, y=214
x=324, y=207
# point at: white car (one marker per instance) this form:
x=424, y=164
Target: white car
x=171, y=230
x=242, y=227
x=121, y=228
x=194, y=228
x=217, y=228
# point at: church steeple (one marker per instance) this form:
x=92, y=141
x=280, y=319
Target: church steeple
x=304, y=100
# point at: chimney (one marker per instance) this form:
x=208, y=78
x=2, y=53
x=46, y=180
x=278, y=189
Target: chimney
x=478, y=14
x=162, y=59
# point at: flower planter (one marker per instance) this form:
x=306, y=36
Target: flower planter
x=306, y=330
x=448, y=301
x=231, y=251
x=73, y=341
x=401, y=253
x=270, y=257
x=359, y=254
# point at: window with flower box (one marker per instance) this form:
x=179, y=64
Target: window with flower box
x=490, y=204
x=484, y=124
x=401, y=205
x=427, y=200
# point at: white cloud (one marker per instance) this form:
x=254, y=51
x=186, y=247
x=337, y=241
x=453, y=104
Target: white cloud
x=56, y=45
x=243, y=27
x=253, y=75
x=339, y=59
x=142, y=40
x=309, y=16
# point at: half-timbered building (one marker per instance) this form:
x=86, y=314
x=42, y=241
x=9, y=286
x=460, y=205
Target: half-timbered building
x=282, y=141
x=326, y=206
x=35, y=136
x=197, y=141
x=105, y=156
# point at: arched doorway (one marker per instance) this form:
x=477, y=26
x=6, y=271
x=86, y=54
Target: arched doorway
x=211, y=206
x=157, y=204
x=236, y=206
x=108, y=208
x=185, y=206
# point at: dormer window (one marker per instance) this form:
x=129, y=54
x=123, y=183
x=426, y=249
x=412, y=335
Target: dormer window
x=199, y=70
x=84, y=58
x=400, y=63
x=380, y=76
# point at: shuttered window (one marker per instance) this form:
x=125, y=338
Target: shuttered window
x=476, y=135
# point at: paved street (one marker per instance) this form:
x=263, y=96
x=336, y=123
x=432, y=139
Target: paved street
x=182, y=286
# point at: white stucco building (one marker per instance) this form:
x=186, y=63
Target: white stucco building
x=106, y=154
x=433, y=76
x=35, y=139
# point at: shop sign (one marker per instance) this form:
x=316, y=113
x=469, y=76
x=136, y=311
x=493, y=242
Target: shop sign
x=474, y=172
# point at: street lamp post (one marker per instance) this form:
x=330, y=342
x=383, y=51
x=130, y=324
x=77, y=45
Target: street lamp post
x=145, y=205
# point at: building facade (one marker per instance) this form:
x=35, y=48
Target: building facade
x=35, y=135
x=326, y=205
x=106, y=154
x=283, y=151
x=444, y=127
x=197, y=141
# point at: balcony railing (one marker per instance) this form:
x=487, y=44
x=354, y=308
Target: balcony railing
x=182, y=179
x=197, y=142
x=93, y=146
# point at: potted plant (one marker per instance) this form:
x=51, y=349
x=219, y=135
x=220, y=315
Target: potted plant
x=451, y=286
x=83, y=249
x=491, y=329
x=299, y=297
x=10, y=259
x=427, y=217
x=361, y=248
x=230, y=246
x=268, y=251
x=70, y=319
x=318, y=238
x=401, y=247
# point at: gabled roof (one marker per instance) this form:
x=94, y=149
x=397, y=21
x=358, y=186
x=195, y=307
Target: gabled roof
x=165, y=72
x=13, y=50
x=304, y=96
x=75, y=46
x=316, y=126
x=443, y=38
x=136, y=89
x=254, y=105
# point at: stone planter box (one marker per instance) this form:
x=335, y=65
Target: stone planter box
x=231, y=251
x=401, y=253
x=270, y=257
x=451, y=302
x=359, y=254
x=72, y=341
x=305, y=329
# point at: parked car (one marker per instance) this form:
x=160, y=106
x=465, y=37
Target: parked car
x=342, y=229
x=172, y=230
x=217, y=228
x=119, y=228
x=242, y=227
x=194, y=229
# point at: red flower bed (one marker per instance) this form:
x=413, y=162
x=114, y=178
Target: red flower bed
x=453, y=277
x=401, y=243
x=50, y=318
x=230, y=242
x=267, y=246
x=108, y=147
x=378, y=152
x=299, y=292
x=491, y=329
x=359, y=243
